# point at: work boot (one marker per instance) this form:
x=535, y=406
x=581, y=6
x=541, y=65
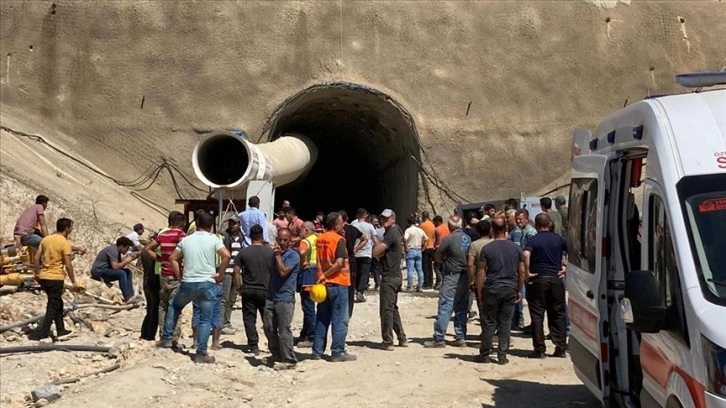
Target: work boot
x=164, y=344
x=402, y=342
x=537, y=354
x=228, y=331
x=502, y=360
x=483, y=358
x=434, y=344
x=560, y=352
x=271, y=360
x=360, y=298
x=255, y=350
x=133, y=300
x=343, y=357
x=387, y=346
x=461, y=342
x=204, y=359
x=63, y=334
x=282, y=366
x=305, y=344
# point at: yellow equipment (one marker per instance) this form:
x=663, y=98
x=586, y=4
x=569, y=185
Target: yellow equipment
x=318, y=293
x=16, y=279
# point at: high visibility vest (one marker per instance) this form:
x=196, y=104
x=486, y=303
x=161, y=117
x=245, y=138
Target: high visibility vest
x=326, y=245
x=311, y=256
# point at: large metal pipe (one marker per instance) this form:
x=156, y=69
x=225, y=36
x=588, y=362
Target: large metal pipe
x=226, y=160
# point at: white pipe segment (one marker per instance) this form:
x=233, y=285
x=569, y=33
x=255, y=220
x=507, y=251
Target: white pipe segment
x=225, y=160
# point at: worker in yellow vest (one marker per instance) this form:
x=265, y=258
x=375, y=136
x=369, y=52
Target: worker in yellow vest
x=307, y=278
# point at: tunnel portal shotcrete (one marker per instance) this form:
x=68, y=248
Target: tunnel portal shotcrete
x=330, y=147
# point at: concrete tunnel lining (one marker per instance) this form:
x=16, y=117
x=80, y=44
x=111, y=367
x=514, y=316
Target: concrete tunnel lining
x=366, y=144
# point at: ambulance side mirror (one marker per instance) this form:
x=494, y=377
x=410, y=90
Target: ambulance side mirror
x=645, y=303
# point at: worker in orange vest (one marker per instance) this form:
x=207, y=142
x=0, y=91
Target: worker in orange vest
x=334, y=272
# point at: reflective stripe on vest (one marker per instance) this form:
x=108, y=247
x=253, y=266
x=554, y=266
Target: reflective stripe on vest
x=326, y=245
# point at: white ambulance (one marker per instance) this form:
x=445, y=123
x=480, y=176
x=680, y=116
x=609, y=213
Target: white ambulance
x=647, y=251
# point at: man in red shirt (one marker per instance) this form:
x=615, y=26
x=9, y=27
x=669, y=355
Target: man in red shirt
x=31, y=225
x=167, y=240
x=294, y=224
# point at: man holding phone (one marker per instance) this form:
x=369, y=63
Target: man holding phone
x=109, y=267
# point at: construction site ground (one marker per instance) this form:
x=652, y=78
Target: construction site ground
x=405, y=377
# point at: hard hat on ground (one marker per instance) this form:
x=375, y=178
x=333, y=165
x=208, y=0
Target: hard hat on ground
x=318, y=293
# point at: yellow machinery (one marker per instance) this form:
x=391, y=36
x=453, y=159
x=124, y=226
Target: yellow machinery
x=17, y=265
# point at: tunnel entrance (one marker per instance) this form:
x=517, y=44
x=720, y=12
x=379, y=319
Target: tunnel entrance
x=368, y=151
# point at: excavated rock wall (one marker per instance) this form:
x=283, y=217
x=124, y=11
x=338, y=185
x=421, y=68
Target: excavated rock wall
x=494, y=88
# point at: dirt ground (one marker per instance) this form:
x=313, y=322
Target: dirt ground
x=405, y=377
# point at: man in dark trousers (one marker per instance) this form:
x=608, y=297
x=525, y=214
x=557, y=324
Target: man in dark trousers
x=251, y=273
x=234, y=241
x=544, y=257
x=354, y=241
x=280, y=305
x=499, y=280
x=152, y=286
x=390, y=253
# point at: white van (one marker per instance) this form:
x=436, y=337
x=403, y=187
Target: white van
x=647, y=252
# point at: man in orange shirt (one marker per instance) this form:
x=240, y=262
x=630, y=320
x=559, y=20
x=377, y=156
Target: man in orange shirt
x=442, y=231
x=334, y=272
x=427, y=256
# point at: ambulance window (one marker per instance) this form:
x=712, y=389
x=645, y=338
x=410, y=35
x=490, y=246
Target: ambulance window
x=662, y=261
x=662, y=257
x=581, y=233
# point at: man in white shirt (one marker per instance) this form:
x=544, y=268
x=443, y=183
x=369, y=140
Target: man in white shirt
x=414, y=240
x=364, y=255
x=198, y=282
x=135, y=237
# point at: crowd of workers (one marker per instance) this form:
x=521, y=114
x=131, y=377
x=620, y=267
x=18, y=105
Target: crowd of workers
x=496, y=258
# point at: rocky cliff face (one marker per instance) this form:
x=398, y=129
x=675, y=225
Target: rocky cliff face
x=493, y=89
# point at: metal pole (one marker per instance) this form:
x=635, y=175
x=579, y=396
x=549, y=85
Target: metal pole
x=220, y=197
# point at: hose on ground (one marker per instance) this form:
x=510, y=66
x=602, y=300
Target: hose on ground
x=22, y=323
x=53, y=347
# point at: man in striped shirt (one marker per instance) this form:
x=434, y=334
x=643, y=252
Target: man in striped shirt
x=167, y=241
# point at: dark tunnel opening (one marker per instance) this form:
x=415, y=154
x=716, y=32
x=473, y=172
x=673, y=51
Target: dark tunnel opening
x=223, y=160
x=368, y=151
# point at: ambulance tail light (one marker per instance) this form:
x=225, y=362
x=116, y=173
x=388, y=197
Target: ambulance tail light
x=715, y=360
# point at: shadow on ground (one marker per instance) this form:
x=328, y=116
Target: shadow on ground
x=521, y=394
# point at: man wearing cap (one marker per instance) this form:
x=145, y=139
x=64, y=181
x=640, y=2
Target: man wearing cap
x=389, y=253
x=234, y=241
x=454, y=291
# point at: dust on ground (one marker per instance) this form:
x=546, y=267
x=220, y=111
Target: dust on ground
x=405, y=377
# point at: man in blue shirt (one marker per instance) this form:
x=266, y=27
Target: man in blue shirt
x=544, y=257
x=253, y=216
x=280, y=303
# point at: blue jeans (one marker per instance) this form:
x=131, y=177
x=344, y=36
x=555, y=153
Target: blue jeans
x=332, y=312
x=216, y=310
x=308, y=308
x=123, y=276
x=205, y=294
x=31, y=240
x=413, y=260
x=453, y=297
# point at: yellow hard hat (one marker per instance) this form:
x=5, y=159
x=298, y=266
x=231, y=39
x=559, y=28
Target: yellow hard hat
x=318, y=293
